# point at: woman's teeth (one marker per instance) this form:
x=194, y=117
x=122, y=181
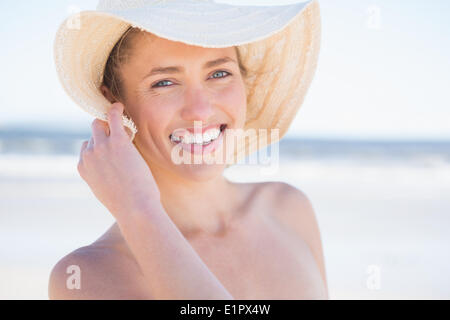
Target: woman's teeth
x=199, y=139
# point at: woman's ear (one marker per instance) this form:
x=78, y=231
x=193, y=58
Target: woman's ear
x=107, y=93
x=110, y=97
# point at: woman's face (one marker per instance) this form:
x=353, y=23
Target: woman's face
x=192, y=89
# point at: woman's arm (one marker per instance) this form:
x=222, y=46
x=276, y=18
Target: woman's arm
x=170, y=266
x=121, y=179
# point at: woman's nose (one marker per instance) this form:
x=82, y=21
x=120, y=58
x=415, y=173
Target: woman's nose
x=198, y=106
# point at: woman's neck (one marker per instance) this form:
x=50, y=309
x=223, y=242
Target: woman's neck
x=198, y=207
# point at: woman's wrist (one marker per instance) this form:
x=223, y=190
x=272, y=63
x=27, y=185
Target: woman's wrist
x=146, y=208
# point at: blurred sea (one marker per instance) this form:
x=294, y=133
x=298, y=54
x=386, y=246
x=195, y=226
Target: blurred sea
x=383, y=209
x=425, y=153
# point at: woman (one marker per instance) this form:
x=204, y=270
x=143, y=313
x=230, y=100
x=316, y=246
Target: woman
x=182, y=230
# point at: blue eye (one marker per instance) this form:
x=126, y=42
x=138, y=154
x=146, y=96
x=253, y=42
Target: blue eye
x=217, y=72
x=156, y=85
x=222, y=72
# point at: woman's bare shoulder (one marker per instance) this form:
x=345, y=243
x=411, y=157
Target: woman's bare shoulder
x=278, y=194
x=293, y=209
x=94, y=272
x=286, y=199
x=278, y=200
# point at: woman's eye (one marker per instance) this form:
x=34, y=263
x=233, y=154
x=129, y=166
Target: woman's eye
x=218, y=72
x=157, y=85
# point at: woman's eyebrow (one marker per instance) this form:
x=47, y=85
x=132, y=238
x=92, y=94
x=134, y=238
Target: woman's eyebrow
x=178, y=69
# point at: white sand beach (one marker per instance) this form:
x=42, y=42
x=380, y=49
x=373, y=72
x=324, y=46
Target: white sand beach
x=384, y=220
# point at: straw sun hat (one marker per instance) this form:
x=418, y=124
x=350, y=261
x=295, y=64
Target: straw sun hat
x=280, y=43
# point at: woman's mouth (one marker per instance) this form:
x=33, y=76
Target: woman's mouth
x=200, y=143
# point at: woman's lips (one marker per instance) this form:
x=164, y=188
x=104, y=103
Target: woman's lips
x=204, y=129
x=204, y=149
x=181, y=132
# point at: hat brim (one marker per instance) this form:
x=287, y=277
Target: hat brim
x=209, y=24
x=84, y=41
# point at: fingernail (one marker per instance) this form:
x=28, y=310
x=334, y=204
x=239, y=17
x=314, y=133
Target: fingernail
x=128, y=131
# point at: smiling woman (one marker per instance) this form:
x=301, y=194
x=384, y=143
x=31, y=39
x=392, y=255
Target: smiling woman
x=190, y=83
x=183, y=231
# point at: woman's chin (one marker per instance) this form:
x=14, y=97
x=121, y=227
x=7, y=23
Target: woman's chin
x=200, y=171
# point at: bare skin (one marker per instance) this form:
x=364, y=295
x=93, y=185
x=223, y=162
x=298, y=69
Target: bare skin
x=234, y=241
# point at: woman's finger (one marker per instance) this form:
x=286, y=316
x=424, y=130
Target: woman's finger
x=80, y=161
x=115, y=113
x=83, y=146
x=99, y=131
x=90, y=143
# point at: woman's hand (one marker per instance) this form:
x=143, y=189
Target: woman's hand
x=114, y=169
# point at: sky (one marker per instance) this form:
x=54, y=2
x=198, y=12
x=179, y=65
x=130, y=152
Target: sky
x=383, y=71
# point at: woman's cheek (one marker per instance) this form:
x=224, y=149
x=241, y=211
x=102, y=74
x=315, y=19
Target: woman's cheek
x=234, y=99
